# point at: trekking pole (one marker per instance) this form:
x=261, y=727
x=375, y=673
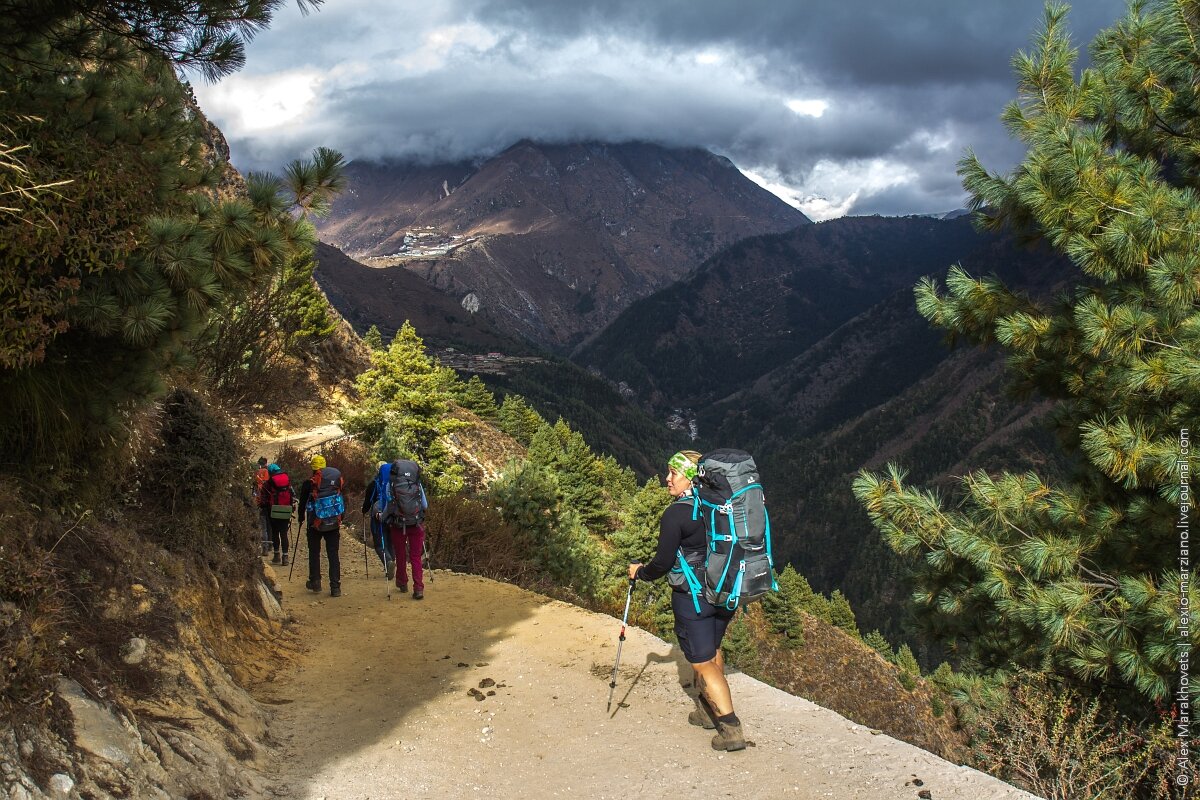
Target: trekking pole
x=295, y=552
x=612, y=684
x=428, y=561
x=366, y=568
x=385, y=537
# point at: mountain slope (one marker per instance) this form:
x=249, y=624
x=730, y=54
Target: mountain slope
x=365, y=296
x=765, y=300
x=552, y=241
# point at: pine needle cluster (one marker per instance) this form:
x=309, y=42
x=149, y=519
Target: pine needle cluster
x=1081, y=578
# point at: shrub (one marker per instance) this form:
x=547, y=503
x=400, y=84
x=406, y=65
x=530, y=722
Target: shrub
x=1061, y=745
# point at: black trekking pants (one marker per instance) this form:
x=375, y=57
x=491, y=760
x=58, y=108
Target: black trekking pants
x=332, y=540
x=279, y=534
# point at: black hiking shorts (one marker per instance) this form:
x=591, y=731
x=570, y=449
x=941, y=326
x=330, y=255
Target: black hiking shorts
x=699, y=634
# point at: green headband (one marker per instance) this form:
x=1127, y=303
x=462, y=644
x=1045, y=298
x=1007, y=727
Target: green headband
x=683, y=465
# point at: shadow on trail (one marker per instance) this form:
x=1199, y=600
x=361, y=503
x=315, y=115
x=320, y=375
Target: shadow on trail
x=671, y=656
x=377, y=677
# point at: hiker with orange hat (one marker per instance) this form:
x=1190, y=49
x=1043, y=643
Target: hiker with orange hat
x=261, y=476
x=322, y=504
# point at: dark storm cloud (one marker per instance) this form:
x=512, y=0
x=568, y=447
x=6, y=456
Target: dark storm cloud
x=906, y=87
x=855, y=42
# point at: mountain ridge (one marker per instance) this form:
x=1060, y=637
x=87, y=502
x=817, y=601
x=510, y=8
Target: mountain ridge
x=551, y=241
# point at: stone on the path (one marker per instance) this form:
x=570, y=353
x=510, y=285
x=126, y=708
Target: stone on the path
x=61, y=785
x=134, y=651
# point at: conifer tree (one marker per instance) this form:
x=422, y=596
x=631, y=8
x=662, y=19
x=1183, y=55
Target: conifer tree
x=739, y=647
x=841, y=615
x=404, y=410
x=636, y=535
x=782, y=608
x=881, y=645
x=208, y=35
x=567, y=454
x=518, y=420
x=474, y=396
x=105, y=289
x=1080, y=576
x=373, y=338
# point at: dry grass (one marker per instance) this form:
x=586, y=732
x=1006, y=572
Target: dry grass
x=468, y=535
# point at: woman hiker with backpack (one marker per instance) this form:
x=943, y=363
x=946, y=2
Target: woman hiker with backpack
x=699, y=625
x=398, y=498
x=277, y=501
x=321, y=501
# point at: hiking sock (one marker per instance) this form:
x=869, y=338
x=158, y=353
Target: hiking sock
x=729, y=719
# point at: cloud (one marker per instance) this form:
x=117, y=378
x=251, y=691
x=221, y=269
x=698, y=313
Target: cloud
x=852, y=106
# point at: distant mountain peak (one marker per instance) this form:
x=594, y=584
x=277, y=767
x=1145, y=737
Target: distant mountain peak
x=553, y=239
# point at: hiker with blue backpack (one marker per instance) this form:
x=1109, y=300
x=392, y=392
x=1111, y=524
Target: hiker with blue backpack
x=322, y=503
x=714, y=548
x=374, y=504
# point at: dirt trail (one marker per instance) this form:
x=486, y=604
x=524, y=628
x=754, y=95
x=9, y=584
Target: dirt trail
x=378, y=706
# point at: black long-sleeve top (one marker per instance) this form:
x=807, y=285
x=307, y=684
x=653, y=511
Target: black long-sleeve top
x=303, y=497
x=369, y=496
x=676, y=530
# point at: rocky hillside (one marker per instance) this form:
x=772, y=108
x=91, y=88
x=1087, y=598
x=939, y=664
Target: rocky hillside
x=368, y=296
x=549, y=242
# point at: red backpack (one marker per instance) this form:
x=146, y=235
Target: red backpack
x=279, y=496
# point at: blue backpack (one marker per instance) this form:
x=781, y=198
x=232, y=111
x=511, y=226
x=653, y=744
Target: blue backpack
x=326, y=505
x=737, y=566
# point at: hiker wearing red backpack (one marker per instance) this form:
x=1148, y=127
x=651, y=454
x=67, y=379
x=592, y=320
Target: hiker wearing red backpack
x=322, y=504
x=277, y=501
x=699, y=625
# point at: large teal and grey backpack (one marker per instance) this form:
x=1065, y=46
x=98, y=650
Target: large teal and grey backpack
x=325, y=505
x=738, y=567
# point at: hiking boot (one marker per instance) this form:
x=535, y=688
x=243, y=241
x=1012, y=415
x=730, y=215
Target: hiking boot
x=313, y=586
x=403, y=587
x=389, y=567
x=275, y=558
x=283, y=562
x=729, y=737
x=418, y=594
x=700, y=717
x=336, y=591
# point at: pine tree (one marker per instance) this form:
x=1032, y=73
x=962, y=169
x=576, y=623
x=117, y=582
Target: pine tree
x=207, y=35
x=404, y=411
x=782, y=608
x=518, y=420
x=373, y=338
x=881, y=645
x=636, y=535
x=738, y=646
x=841, y=615
x=1082, y=576
x=474, y=396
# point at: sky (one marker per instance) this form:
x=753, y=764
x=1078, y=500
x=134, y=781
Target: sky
x=838, y=106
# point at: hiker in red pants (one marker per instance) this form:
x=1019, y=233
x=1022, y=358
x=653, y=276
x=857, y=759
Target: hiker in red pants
x=405, y=511
x=412, y=537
